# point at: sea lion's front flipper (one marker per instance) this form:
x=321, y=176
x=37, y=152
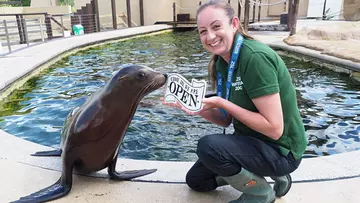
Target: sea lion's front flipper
x=127, y=175
x=56, y=152
x=52, y=192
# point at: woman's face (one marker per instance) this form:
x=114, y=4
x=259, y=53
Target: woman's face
x=216, y=31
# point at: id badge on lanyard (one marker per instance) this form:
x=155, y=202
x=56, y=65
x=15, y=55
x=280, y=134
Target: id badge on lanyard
x=234, y=56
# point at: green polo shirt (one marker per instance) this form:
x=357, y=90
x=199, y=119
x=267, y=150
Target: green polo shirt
x=260, y=71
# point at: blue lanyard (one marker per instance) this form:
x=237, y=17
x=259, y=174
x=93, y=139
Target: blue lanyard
x=234, y=56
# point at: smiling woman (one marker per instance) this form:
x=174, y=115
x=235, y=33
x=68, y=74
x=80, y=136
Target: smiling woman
x=259, y=100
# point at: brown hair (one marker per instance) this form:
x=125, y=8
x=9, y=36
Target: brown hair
x=230, y=13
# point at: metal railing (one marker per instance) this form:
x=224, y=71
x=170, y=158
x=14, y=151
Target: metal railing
x=9, y=30
x=41, y=27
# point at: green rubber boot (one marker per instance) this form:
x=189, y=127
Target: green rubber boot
x=220, y=181
x=282, y=185
x=255, y=188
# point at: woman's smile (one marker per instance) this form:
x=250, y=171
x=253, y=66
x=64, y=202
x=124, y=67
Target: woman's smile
x=215, y=43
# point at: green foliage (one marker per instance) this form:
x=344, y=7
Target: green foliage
x=24, y=3
x=67, y=2
x=328, y=15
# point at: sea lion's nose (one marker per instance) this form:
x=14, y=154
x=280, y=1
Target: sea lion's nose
x=165, y=75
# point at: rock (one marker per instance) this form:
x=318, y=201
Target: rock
x=351, y=10
x=355, y=77
x=340, y=39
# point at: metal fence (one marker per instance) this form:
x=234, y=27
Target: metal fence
x=9, y=30
x=40, y=27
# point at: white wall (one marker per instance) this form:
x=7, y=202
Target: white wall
x=316, y=7
x=50, y=10
x=43, y=3
x=79, y=3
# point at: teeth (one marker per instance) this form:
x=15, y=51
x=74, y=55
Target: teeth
x=216, y=43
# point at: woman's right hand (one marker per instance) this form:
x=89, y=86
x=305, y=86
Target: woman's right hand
x=176, y=105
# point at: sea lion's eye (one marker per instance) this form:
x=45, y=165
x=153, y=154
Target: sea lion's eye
x=141, y=75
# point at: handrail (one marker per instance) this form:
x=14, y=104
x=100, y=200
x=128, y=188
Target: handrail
x=131, y=20
x=24, y=14
x=69, y=15
x=59, y=24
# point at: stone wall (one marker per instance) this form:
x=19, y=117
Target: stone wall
x=337, y=38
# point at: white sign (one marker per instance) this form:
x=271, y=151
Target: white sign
x=189, y=95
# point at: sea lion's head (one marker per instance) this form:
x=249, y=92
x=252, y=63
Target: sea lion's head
x=136, y=80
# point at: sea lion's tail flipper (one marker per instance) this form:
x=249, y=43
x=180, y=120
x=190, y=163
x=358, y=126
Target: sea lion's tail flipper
x=52, y=192
x=56, y=152
x=128, y=175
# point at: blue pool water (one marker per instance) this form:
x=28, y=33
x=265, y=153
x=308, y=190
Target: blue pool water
x=328, y=101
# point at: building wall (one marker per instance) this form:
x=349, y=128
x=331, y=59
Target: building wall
x=79, y=3
x=49, y=10
x=153, y=12
x=267, y=12
x=186, y=6
x=43, y=3
x=303, y=8
x=276, y=10
x=162, y=9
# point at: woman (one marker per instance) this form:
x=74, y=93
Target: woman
x=259, y=99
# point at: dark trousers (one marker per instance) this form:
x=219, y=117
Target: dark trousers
x=225, y=155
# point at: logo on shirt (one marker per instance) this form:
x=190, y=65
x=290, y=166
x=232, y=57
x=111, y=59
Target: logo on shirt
x=237, y=84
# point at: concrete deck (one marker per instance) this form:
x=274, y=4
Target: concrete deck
x=324, y=179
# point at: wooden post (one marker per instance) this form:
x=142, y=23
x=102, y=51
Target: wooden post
x=113, y=12
x=174, y=14
x=254, y=9
x=324, y=11
x=199, y=3
x=259, y=12
x=141, y=3
x=290, y=14
x=26, y=36
x=239, y=11
x=246, y=15
x=295, y=9
x=62, y=25
x=128, y=11
x=48, y=26
x=20, y=26
x=229, y=1
x=97, y=15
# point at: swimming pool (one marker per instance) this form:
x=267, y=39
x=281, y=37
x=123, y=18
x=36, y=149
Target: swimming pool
x=329, y=103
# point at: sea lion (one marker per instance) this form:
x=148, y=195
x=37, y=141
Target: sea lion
x=92, y=135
